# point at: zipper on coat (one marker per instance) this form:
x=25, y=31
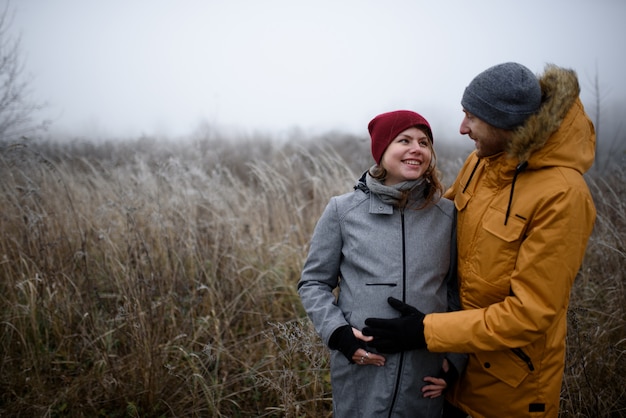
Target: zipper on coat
x=401, y=361
x=403, y=256
x=520, y=353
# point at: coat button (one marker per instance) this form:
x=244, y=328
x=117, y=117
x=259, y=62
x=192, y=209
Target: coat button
x=487, y=365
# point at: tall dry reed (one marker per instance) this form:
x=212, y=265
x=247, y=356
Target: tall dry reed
x=595, y=377
x=150, y=278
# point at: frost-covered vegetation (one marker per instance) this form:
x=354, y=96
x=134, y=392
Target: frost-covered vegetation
x=153, y=278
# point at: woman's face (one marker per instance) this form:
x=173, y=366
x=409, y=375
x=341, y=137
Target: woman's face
x=407, y=157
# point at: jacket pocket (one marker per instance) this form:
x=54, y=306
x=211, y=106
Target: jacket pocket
x=494, y=255
x=494, y=224
x=504, y=365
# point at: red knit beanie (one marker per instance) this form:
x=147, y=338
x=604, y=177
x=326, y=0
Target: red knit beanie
x=386, y=127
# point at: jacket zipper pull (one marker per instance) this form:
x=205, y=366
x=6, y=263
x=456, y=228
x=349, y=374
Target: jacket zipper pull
x=520, y=353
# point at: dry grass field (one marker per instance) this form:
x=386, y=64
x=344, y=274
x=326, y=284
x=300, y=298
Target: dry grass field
x=154, y=279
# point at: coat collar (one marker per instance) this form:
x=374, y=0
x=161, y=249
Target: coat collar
x=560, y=133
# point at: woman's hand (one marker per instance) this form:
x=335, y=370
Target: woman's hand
x=437, y=385
x=363, y=357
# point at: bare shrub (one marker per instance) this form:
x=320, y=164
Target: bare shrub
x=17, y=108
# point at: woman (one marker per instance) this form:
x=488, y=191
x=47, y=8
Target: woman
x=392, y=237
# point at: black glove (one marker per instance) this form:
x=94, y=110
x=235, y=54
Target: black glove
x=343, y=339
x=398, y=334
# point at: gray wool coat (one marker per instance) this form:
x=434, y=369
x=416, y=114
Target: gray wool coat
x=369, y=250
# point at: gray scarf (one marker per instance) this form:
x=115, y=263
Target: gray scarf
x=391, y=195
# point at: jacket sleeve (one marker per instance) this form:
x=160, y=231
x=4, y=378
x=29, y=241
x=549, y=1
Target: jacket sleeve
x=547, y=263
x=320, y=275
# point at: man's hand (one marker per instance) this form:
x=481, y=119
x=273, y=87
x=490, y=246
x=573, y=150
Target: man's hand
x=398, y=334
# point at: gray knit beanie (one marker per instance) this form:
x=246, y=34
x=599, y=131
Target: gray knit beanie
x=503, y=95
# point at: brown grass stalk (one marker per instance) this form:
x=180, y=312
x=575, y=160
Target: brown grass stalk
x=147, y=278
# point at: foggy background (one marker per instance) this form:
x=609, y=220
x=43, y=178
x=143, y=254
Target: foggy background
x=123, y=68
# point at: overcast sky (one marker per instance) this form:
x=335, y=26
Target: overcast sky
x=165, y=67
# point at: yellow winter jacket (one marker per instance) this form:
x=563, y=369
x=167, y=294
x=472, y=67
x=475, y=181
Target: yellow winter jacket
x=524, y=218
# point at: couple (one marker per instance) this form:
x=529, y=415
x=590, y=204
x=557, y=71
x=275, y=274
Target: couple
x=465, y=296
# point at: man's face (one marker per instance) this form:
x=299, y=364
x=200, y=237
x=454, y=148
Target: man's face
x=488, y=140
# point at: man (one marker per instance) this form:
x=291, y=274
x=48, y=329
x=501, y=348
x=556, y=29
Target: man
x=524, y=217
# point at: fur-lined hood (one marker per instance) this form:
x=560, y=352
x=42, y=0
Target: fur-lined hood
x=560, y=133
